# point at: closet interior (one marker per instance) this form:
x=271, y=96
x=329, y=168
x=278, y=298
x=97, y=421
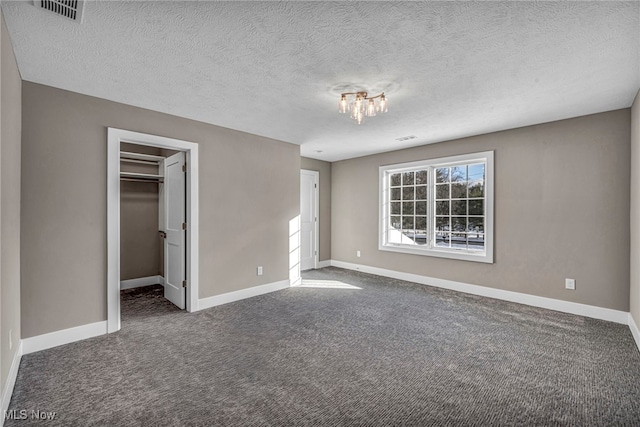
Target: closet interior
x=142, y=230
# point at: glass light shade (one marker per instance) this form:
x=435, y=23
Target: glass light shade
x=382, y=104
x=370, y=111
x=343, y=105
x=354, y=111
x=358, y=103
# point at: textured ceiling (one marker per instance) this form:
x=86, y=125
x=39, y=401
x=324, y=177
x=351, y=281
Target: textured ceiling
x=450, y=69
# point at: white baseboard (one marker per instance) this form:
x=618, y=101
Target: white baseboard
x=7, y=391
x=295, y=282
x=65, y=336
x=634, y=330
x=141, y=281
x=323, y=264
x=592, y=311
x=213, y=301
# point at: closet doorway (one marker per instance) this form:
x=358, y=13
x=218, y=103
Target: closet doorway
x=152, y=220
x=152, y=184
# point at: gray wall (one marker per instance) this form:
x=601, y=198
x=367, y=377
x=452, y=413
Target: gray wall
x=561, y=211
x=140, y=248
x=10, y=139
x=634, y=294
x=249, y=190
x=324, y=169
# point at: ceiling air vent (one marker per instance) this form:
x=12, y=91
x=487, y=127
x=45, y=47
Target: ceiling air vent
x=406, y=138
x=71, y=9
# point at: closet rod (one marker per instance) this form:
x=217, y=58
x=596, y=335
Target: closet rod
x=153, y=181
x=144, y=162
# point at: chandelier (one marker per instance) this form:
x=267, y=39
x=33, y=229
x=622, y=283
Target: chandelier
x=362, y=105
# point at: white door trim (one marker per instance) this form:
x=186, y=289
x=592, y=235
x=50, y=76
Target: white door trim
x=316, y=229
x=115, y=137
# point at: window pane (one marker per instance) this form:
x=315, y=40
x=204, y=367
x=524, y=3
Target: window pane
x=476, y=242
x=459, y=240
x=395, y=208
x=442, y=224
x=420, y=236
x=476, y=172
x=421, y=208
x=407, y=178
x=458, y=174
x=442, y=240
x=395, y=179
x=442, y=191
x=459, y=223
x=476, y=189
x=459, y=207
x=476, y=207
x=407, y=222
x=476, y=225
x=421, y=192
x=395, y=222
x=442, y=208
x=395, y=193
x=442, y=175
x=409, y=233
x=407, y=193
x=407, y=208
x=421, y=177
x=394, y=236
x=459, y=191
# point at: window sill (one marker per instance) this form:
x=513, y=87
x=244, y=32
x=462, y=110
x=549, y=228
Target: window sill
x=482, y=257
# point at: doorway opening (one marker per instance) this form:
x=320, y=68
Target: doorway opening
x=152, y=168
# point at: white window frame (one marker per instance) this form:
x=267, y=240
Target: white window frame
x=430, y=249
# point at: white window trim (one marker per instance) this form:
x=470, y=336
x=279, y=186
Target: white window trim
x=484, y=257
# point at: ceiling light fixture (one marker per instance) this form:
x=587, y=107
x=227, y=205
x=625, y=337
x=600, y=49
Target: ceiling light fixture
x=362, y=105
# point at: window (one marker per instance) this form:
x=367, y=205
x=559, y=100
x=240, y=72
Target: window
x=439, y=207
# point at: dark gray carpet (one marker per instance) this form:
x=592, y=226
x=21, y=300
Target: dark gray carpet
x=390, y=353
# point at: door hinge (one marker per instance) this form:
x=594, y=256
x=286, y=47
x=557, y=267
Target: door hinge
x=184, y=283
x=184, y=167
x=184, y=225
x=315, y=185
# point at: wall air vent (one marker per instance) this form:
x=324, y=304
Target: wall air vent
x=71, y=9
x=406, y=138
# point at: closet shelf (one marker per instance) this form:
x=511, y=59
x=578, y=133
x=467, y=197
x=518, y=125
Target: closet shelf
x=139, y=157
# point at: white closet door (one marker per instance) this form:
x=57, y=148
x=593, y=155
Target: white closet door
x=174, y=218
x=308, y=218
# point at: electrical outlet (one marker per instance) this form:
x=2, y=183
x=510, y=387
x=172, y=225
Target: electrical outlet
x=10, y=338
x=358, y=254
x=570, y=284
x=260, y=270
